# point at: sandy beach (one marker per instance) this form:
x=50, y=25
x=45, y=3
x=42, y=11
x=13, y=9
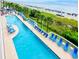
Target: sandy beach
x=63, y=14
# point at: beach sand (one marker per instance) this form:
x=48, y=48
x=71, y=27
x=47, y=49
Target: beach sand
x=44, y=10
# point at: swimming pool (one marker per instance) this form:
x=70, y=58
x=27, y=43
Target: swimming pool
x=27, y=44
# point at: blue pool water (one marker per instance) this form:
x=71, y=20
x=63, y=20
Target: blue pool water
x=27, y=44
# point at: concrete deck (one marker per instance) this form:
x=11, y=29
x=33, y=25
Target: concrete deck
x=2, y=55
x=9, y=49
x=52, y=45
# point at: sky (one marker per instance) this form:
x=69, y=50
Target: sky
x=58, y=2
x=72, y=1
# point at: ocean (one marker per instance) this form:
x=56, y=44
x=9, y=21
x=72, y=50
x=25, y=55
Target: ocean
x=66, y=6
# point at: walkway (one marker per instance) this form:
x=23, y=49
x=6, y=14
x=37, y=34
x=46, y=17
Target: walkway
x=8, y=44
x=1, y=43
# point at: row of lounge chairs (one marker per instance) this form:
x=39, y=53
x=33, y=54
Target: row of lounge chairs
x=74, y=52
x=31, y=22
x=41, y=31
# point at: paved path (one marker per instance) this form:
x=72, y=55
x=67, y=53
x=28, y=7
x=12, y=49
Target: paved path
x=9, y=49
x=1, y=41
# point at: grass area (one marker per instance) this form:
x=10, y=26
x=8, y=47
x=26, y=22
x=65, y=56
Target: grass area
x=63, y=20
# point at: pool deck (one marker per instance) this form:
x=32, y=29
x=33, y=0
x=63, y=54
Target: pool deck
x=1, y=43
x=9, y=49
x=52, y=45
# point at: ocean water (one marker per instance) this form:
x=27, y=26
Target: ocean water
x=71, y=8
x=61, y=5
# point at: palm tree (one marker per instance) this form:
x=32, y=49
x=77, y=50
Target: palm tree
x=32, y=13
x=37, y=15
x=49, y=22
x=26, y=11
x=42, y=18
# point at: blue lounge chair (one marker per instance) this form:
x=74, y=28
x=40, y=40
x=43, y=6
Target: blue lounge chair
x=39, y=29
x=60, y=42
x=46, y=35
x=12, y=30
x=9, y=29
x=35, y=27
x=54, y=38
x=51, y=36
x=66, y=46
x=41, y=32
x=75, y=53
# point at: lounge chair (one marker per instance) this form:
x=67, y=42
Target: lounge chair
x=66, y=46
x=46, y=35
x=11, y=30
x=54, y=38
x=35, y=27
x=75, y=53
x=51, y=36
x=60, y=42
x=41, y=32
